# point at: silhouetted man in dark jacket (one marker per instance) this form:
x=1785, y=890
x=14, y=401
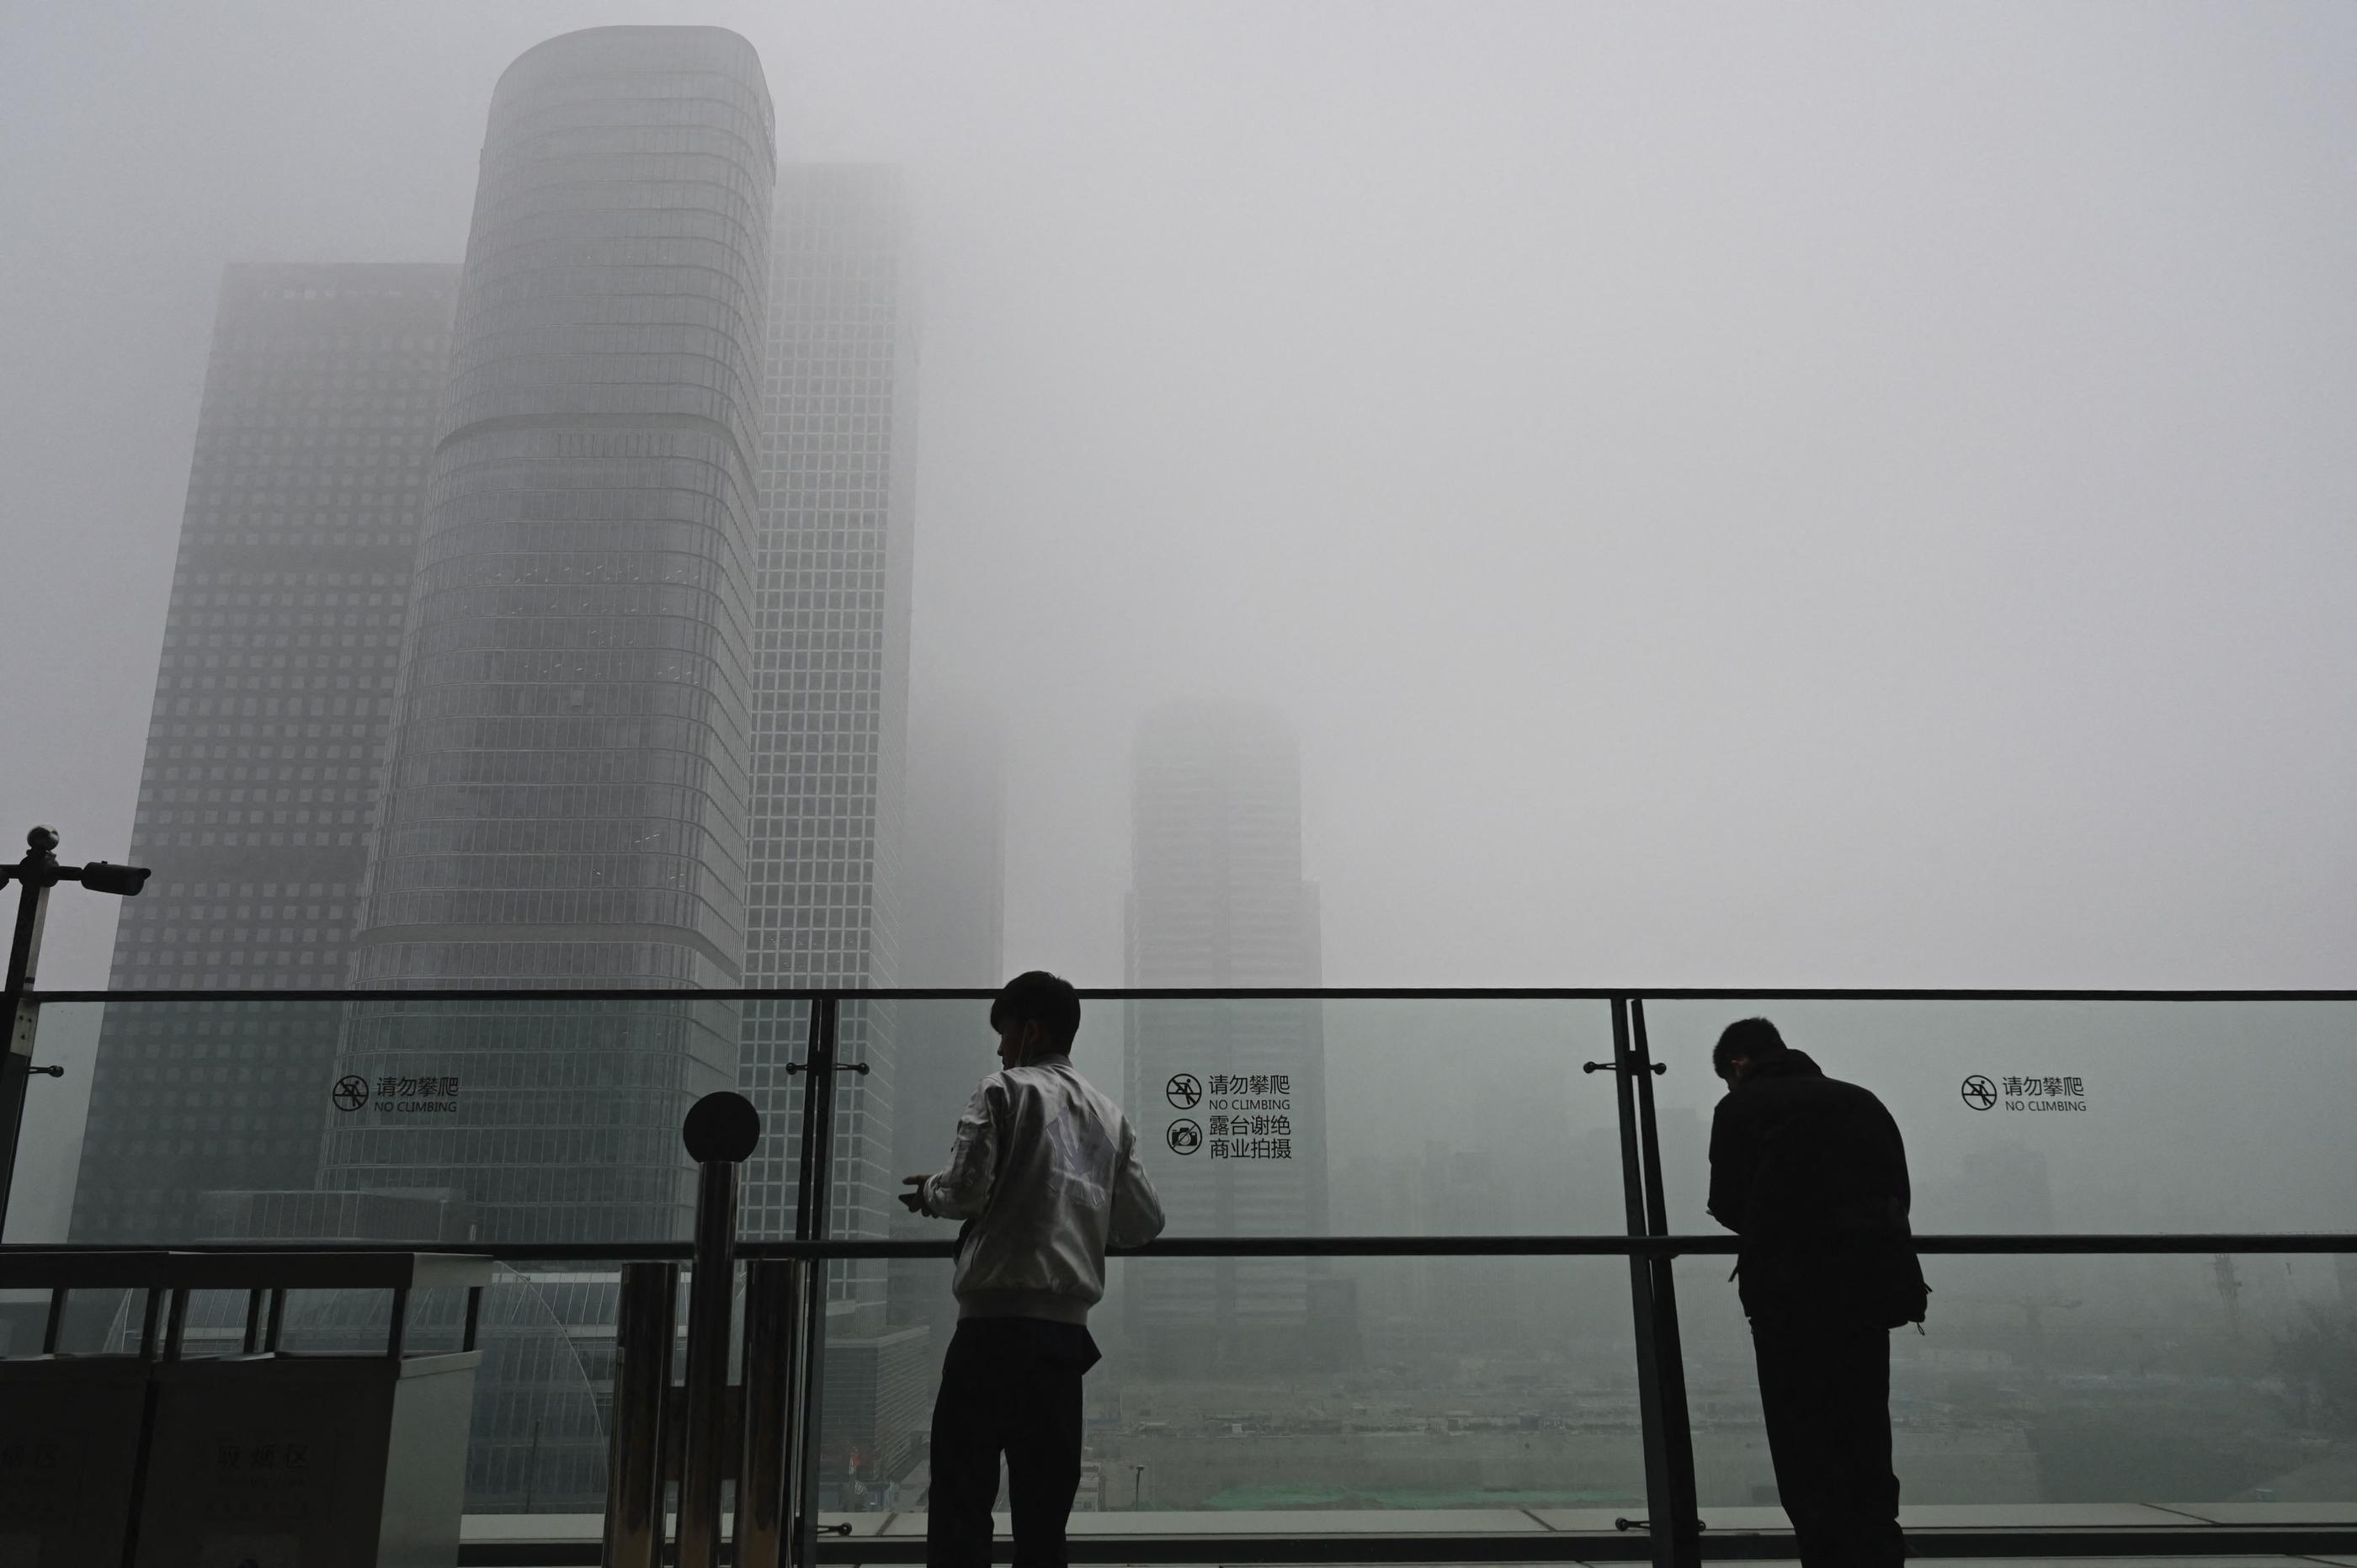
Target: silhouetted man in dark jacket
x=1811, y=1174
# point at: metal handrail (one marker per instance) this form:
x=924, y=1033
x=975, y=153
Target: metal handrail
x=1225, y=993
x=1992, y=1243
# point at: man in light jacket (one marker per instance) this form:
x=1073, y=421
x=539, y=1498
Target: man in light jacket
x=1045, y=1174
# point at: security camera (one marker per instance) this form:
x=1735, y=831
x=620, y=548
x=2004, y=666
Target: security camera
x=127, y=880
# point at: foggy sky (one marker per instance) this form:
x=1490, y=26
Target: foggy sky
x=1811, y=496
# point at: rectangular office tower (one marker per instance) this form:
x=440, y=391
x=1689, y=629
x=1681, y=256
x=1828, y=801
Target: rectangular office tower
x=1235, y=1090
x=565, y=804
x=273, y=701
x=831, y=682
x=831, y=676
x=953, y=928
x=952, y=934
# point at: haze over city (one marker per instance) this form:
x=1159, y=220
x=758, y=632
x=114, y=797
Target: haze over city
x=578, y=542
x=1825, y=497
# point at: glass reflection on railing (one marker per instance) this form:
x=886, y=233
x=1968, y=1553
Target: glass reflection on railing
x=1243, y=1385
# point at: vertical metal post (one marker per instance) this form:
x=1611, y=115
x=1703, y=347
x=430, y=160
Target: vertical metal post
x=708, y=1291
x=34, y=875
x=148, y=1322
x=253, y=1300
x=1658, y=1488
x=1678, y=1507
x=645, y=1320
x=176, y=1323
x=473, y=1328
x=149, y=1399
x=721, y=1130
x=396, y=1334
x=813, y=1198
x=21, y=1016
x=764, y=1522
x=275, y=1333
x=54, y=1329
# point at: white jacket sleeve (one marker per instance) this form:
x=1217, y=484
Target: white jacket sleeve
x=1136, y=1207
x=962, y=1190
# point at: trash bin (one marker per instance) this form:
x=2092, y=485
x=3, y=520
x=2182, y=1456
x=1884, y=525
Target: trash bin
x=70, y=1438
x=288, y=1459
x=256, y=1459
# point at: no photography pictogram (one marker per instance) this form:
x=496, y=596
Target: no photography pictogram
x=1979, y=1091
x=1184, y=1137
x=1184, y=1091
x=350, y=1092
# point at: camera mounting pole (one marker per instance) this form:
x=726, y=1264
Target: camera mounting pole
x=35, y=875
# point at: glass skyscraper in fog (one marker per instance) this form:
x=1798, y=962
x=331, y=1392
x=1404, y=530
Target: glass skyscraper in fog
x=831, y=684
x=567, y=799
x=273, y=701
x=832, y=666
x=589, y=614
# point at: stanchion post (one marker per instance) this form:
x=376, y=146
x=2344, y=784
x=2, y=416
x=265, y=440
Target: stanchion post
x=1669, y=1351
x=1659, y=1491
x=646, y=1318
x=764, y=1520
x=814, y=1195
x=721, y=1130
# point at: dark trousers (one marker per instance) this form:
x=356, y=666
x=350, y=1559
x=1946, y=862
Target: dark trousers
x=1011, y=1386
x=1824, y=1390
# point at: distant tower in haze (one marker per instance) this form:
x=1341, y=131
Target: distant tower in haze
x=952, y=935
x=831, y=678
x=831, y=683
x=567, y=803
x=1217, y=898
x=273, y=701
x=952, y=928
x=955, y=934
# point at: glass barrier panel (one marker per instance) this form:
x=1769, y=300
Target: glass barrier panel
x=1279, y=1117
x=2152, y=1379
x=2170, y=1381
x=2063, y=1116
x=1272, y=1118
x=49, y=1140
x=49, y=1154
x=434, y=1119
x=1438, y=1393
x=437, y=1122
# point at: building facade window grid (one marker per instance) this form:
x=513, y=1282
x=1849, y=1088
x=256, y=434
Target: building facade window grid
x=566, y=800
x=265, y=741
x=831, y=676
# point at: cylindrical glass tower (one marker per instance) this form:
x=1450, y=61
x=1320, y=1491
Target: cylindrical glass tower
x=568, y=794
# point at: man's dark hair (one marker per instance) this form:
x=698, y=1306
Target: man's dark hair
x=1037, y=997
x=1751, y=1039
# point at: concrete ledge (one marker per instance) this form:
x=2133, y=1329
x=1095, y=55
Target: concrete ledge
x=2031, y=1535
x=2027, y=1535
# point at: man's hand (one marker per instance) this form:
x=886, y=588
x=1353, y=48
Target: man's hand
x=913, y=1200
